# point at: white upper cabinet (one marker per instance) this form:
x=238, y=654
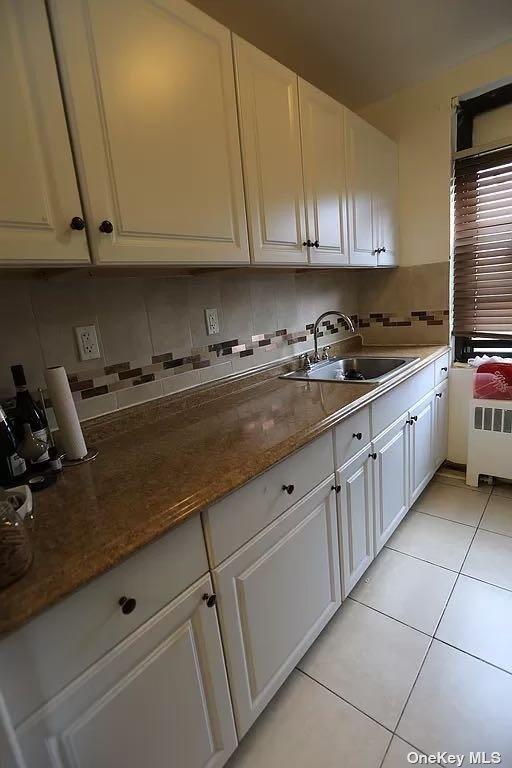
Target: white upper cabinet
x=372, y=182
x=151, y=98
x=386, y=201
x=323, y=156
x=271, y=151
x=360, y=151
x=38, y=188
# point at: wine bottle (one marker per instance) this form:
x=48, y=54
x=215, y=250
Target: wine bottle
x=12, y=466
x=28, y=412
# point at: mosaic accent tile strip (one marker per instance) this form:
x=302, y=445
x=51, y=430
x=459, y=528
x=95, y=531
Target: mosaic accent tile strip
x=393, y=320
x=122, y=375
x=126, y=374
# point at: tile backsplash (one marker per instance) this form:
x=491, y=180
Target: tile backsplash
x=152, y=332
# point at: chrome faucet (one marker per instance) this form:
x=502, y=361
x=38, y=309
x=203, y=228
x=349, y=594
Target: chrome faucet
x=346, y=318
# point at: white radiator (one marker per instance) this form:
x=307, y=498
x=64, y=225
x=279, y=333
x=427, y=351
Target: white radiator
x=489, y=439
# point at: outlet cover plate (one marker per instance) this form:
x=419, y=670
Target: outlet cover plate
x=211, y=317
x=87, y=342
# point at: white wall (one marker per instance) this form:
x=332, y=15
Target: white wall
x=420, y=119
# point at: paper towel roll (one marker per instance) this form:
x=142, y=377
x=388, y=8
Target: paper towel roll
x=70, y=431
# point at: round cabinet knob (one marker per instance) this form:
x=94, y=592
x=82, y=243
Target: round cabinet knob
x=383, y=250
x=372, y=456
x=316, y=244
x=377, y=250
x=414, y=418
x=357, y=435
x=210, y=600
x=127, y=604
x=439, y=394
x=336, y=488
x=106, y=227
x=77, y=223
x=289, y=488
x=445, y=369
x=308, y=243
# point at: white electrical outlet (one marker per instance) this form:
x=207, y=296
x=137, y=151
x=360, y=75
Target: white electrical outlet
x=87, y=342
x=211, y=317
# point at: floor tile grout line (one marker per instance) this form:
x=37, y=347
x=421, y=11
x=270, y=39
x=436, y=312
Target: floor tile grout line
x=334, y=693
x=496, y=533
x=483, y=581
x=421, y=559
x=426, y=655
x=447, y=519
x=474, y=536
x=473, y=656
x=388, y=616
x=413, y=748
x=434, y=634
x=413, y=687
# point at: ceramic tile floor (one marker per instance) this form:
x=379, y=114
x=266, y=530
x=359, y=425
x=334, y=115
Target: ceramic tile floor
x=418, y=658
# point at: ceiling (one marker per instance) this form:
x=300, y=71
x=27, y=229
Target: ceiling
x=363, y=50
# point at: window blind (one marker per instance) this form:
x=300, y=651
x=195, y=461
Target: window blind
x=482, y=190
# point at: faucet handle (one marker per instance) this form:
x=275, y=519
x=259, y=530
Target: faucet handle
x=325, y=353
x=307, y=361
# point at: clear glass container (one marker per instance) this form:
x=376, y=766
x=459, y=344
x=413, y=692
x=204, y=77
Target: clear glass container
x=16, y=552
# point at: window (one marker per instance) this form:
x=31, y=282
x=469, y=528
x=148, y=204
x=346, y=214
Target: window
x=482, y=295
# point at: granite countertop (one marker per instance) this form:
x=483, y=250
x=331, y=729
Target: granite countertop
x=149, y=479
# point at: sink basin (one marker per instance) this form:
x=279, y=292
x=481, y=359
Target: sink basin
x=353, y=369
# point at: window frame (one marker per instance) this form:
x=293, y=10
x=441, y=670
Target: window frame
x=467, y=109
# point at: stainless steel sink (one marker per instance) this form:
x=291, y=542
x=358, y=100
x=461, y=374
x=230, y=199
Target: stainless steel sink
x=353, y=369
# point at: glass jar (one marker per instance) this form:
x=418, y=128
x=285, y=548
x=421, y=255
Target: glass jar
x=15, y=547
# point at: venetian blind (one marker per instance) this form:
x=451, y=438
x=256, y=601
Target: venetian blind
x=483, y=244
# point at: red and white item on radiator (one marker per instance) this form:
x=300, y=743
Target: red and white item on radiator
x=493, y=381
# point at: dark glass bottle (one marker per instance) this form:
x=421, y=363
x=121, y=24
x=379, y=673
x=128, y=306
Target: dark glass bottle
x=12, y=466
x=27, y=411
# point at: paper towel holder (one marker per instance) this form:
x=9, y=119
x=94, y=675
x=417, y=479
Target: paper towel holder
x=89, y=456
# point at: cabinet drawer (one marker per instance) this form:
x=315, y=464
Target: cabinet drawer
x=390, y=406
x=275, y=595
x=47, y=653
x=237, y=518
x=441, y=368
x=350, y=436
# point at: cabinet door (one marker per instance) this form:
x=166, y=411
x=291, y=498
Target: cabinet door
x=386, y=201
x=440, y=424
x=159, y=698
x=391, y=479
x=38, y=192
x=275, y=596
x=355, y=510
x=151, y=96
x=323, y=155
x=271, y=151
x=421, y=453
x=360, y=140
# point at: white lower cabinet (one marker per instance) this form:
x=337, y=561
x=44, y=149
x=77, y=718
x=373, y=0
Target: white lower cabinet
x=421, y=454
x=355, y=509
x=440, y=424
x=391, y=479
x=123, y=695
x=275, y=595
x=159, y=698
